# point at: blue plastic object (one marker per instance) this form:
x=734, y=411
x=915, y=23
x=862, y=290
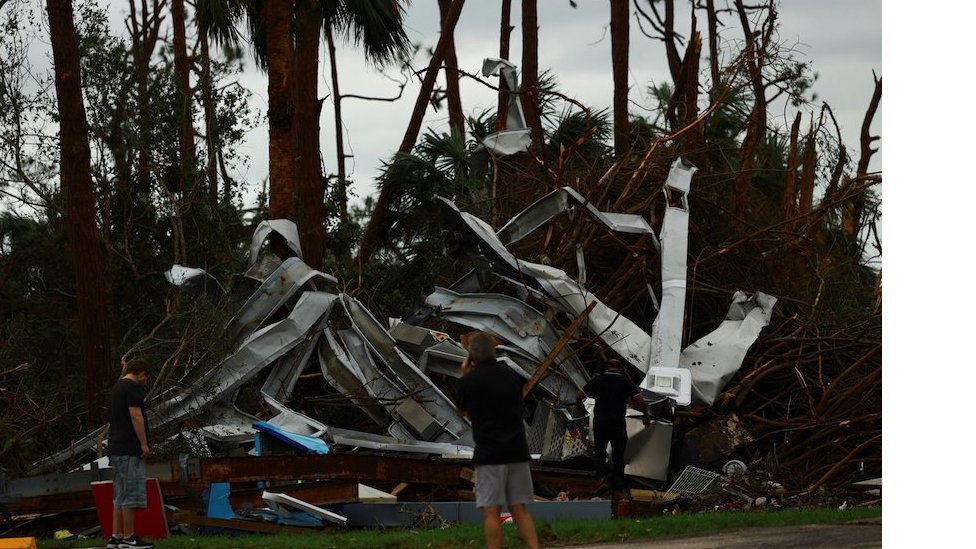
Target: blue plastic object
x=307, y=444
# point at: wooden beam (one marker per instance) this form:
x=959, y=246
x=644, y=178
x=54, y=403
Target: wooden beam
x=551, y=357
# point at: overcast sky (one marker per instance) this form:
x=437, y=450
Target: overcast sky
x=842, y=38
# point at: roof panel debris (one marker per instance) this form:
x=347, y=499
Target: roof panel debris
x=401, y=377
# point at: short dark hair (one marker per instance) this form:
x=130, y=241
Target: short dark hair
x=135, y=366
x=481, y=348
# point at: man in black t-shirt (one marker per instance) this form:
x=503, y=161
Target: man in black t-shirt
x=612, y=390
x=128, y=448
x=491, y=395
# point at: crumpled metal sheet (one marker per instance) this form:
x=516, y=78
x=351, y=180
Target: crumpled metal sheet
x=509, y=319
x=295, y=422
x=562, y=200
x=471, y=237
x=452, y=427
x=667, y=328
x=516, y=136
x=197, y=280
x=284, y=228
x=256, y=353
x=282, y=284
x=716, y=357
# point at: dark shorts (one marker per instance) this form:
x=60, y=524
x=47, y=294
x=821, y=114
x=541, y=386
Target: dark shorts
x=129, y=482
x=503, y=485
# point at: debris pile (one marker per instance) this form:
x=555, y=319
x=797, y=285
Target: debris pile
x=295, y=326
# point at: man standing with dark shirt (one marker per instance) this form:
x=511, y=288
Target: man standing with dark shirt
x=491, y=395
x=612, y=390
x=128, y=448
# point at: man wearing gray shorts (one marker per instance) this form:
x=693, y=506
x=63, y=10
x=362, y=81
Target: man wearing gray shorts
x=491, y=395
x=128, y=448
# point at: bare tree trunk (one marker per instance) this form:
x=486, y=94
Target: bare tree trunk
x=787, y=208
x=866, y=138
x=693, y=140
x=340, y=145
x=670, y=41
x=852, y=212
x=210, y=119
x=371, y=234
x=713, y=50
x=808, y=171
x=78, y=196
x=454, y=113
x=144, y=30
x=309, y=187
x=276, y=16
x=530, y=74
x=504, y=45
x=181, y=67
x=756, y=125
x=619, y=53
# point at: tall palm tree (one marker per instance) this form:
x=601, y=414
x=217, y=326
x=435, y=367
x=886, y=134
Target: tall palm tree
x=288, y=49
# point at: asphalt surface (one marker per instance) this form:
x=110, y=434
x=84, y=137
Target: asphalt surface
x=860, y=535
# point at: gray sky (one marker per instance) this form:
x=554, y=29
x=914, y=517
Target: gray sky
x=841, y=37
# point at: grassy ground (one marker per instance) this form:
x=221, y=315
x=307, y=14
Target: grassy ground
x=551, y=533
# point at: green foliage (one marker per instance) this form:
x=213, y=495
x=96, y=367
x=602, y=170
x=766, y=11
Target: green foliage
x=410, y=260
x=137, y=221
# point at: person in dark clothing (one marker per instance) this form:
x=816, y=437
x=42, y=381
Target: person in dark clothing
x=128, y=448
x=612, y=390
x=490, y=394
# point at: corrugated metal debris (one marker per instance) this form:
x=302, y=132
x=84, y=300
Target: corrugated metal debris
x=401, y=375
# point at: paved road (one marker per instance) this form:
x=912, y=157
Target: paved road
x=862, y=535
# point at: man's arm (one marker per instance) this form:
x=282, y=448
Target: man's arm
x=640, y=404
x=580, y=396
x=139, y=426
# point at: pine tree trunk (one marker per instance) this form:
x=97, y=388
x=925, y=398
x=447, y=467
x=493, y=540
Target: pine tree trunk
x=530, y=74
x=276, y=17
x=309, y=187
x=455, y=114
x=371, y=234
x=504, y=46
x=620, y=50
x=181, y=67
x=210, y=119
x=343, y=205
x=78, y=197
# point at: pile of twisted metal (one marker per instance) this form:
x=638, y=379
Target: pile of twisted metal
x=295, y=323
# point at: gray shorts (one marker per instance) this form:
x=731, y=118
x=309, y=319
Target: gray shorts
x=503, y=485
x=129, y=483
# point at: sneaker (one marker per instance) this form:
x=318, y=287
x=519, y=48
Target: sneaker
x=113, y=542
x=135, y=542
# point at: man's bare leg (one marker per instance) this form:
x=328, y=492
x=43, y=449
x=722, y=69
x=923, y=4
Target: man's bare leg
x=128, y=523
x=526, y=528
x=117, y=525
x=493, y=526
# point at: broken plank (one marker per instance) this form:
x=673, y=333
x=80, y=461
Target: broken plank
x=398, y=488
x=556, y=349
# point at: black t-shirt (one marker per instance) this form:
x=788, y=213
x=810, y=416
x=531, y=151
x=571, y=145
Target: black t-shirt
x=492, y=395
x=122, y=439
x=611, y=391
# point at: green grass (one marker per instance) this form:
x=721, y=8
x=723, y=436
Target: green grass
x=551, y=533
